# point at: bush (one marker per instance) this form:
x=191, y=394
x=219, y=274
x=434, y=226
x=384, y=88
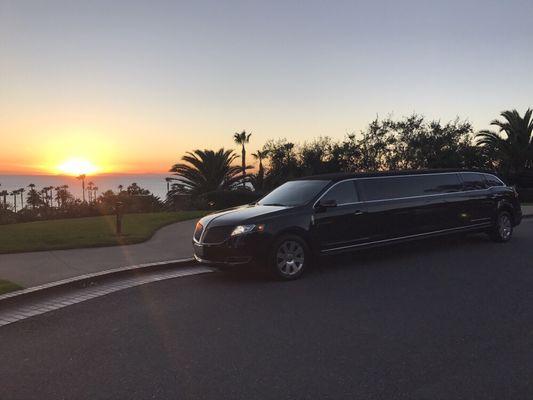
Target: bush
x=7, y=216
x=221, y=199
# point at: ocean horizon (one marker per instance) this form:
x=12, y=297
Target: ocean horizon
x=154, y=182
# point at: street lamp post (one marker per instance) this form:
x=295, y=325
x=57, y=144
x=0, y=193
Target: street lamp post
x=119, y=210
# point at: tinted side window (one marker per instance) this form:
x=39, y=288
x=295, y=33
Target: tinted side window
x=409, y=186
x=492, y=181
x=342, y=193
x=445, y=183
x=390, y=188
x=473, y=181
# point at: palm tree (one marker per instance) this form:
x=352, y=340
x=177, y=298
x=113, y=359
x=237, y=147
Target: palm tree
x=82, y=179
x=242, y=138
x=21, y=191
x=260, y=155
x=120, y=187
x=33, y=198
x=44, y=195
x=168, y=180
x=15, y=193
x=95, y=193
x=90, y=187
x=4, y=194
x=47, y=197
x=205, y=171
x=514, y=150
x=58, y=196
x=64, y=195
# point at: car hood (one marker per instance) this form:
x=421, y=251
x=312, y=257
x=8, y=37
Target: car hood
x=248, y=214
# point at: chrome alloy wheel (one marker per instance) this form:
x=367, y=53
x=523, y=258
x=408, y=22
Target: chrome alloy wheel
x=290, y=257
x=505, y=227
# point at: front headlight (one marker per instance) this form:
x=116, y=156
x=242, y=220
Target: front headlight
x=242, y=229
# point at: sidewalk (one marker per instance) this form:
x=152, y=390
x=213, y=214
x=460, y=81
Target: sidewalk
x=172, y=242
x=31, y=269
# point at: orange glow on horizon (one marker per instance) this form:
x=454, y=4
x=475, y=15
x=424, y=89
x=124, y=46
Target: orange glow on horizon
x=77, y=166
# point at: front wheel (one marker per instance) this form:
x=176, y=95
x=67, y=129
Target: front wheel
x=502, y=231
x=289, y=257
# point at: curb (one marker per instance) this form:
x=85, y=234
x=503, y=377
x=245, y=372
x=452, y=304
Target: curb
x=87, y=278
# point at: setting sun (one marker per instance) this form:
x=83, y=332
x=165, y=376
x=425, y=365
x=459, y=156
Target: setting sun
x=77, y=166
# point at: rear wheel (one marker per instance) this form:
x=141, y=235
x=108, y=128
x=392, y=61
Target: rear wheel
x=289, y=257
x=502, y=231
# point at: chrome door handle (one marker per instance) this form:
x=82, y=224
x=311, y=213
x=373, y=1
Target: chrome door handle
x=359, y=212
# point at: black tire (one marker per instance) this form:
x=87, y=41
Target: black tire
x=502, y=230
x=289, y=257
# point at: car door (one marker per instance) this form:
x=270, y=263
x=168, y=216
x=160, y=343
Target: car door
x=339, y=224
x=395, y=206
x=476, y=203
x=442, y=195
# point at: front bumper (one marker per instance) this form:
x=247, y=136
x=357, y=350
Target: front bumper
x=239, y=250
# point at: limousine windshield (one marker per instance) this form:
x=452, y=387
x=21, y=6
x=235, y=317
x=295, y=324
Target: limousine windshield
x=295, y=193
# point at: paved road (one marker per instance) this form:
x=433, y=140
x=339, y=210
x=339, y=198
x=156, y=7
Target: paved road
x=440, y=319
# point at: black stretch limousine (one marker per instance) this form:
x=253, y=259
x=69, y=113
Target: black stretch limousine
x=325, y=214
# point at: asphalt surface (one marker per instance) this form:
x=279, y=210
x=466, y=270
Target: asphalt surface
x=440, y=319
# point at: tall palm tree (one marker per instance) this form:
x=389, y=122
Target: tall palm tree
x=260, y=155
x=82, y=179
x=58, y=196
x=4, y=194
x=44, y=196
x=47, y=197
x=168, y=180
x=14, y=193
x=205, y=171
x=21, y=191
x=120, y=188
x=90, y=187
x=242, y=138
x=514, y=149
x=33, y=198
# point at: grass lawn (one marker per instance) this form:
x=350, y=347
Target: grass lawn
x=86, y=232
x=6, y=286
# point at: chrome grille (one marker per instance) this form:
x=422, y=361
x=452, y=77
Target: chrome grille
x=217, y=234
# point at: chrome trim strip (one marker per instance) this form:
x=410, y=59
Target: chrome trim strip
x=461, y=228
x=481, y=219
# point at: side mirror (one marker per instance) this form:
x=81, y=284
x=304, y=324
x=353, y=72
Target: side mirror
x=324, y=204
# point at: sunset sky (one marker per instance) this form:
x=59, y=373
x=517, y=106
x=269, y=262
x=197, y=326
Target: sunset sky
x=130, y=85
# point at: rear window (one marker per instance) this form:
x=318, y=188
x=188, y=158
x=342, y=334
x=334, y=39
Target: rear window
x=473, y=181
x=384, y=188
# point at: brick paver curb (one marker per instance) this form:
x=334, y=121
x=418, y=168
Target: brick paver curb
x=89, y=277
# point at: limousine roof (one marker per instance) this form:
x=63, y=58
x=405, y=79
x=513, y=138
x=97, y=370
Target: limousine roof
x=351, y=175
